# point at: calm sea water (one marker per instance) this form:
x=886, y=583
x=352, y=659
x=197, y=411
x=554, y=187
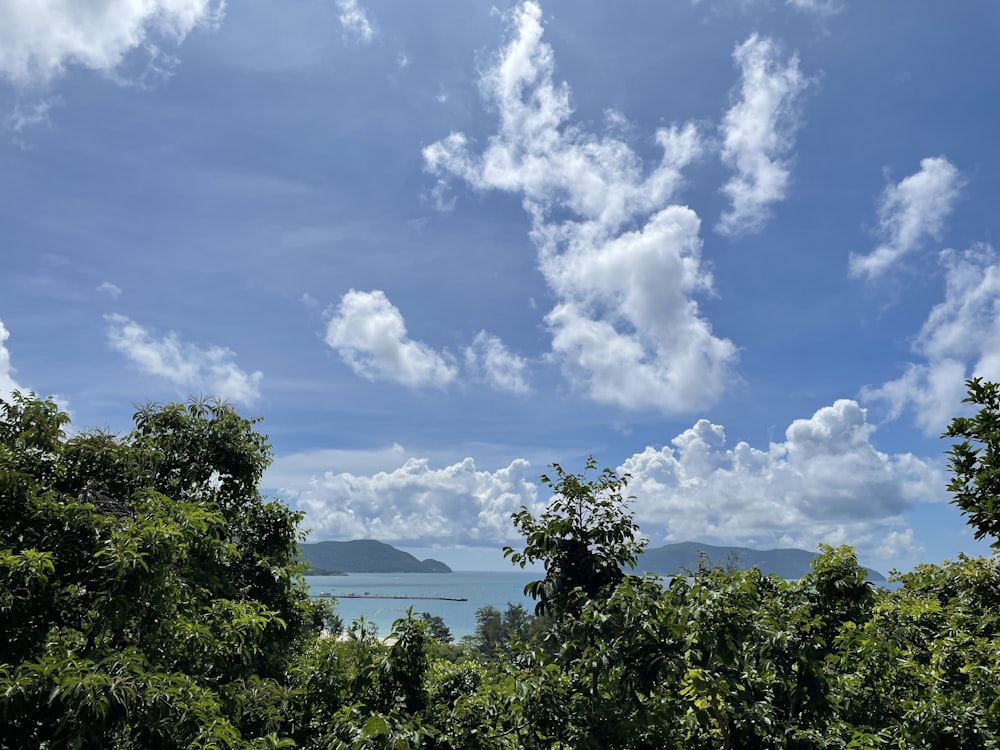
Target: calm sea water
x=479, y=587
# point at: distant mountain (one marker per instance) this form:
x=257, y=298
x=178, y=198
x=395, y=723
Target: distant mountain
x=784, y=563
x=366, y=556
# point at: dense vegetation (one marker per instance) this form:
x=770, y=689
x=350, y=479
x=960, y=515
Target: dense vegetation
x=671, y=559
x=150, y=597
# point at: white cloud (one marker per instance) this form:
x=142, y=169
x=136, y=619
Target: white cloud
x=898, y=544
x=355, y=21
x=758, y=134
x=826, y=482
x=30, y=114
x=369, y=333
x=819, y=7
x=185, y=365
x=415, y=503
x=960, y=339
x=299, y=469
x=112, y=290
x=39, y=39
x=622, y=261
x=7, y=383
x=501, y=368
x=909, y=212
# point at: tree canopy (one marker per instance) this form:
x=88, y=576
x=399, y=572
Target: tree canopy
x=150, y=596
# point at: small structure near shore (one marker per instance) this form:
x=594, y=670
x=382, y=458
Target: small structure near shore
x=366, y=595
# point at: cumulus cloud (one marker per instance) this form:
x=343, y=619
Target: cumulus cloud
x=7, y=383
x=370, y=335
x=909, y=212
x=623, y=262
x=496, y=364
x=960, y=339
x=41, y=38
x=826, y=482
x=355, y=21
x=898, y=544
x=415, y=503
x=187, y=366
x=758, y=134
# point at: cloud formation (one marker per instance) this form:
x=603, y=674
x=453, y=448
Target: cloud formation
x=758, y=134
x=7, y=383
x=370, y=335
x=490, y=358
x=355, y=21
x=909, y=212
x=187, y=366
x=622, y=261
x=40, y=39
x=112, y=290
x=960, y=339
x=819, y=7
x=826, y=482
x=455, y=505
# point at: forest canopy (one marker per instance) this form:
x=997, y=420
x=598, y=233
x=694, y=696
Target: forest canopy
x=151, y=596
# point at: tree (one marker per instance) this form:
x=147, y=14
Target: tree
x=151, y=597
x=497, y=631
x=436, y=627
x=975, y=461
x=583, y=539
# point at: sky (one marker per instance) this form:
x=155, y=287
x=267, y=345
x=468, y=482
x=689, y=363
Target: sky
x=741, y=250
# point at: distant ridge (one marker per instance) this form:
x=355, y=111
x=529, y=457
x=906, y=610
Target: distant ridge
x=784, y=563
x=365, y=556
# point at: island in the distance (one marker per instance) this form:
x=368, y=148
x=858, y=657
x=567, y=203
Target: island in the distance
x=364, y=556
x=790, y=564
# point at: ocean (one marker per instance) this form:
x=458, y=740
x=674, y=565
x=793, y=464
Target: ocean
x=479, y=588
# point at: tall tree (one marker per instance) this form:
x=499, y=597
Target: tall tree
x=150, y=594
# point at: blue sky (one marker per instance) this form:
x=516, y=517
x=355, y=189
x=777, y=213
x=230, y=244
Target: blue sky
x=740, y=249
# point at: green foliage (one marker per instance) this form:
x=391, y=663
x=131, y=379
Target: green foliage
x=150, y=597
x=148, y=590
x=436, y=627
x=499, y=632
x=975, y=461
x=583, y=539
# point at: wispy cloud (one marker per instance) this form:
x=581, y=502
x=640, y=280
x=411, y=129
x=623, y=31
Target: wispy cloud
x=623, y=262
x=758, y=134
x=112, y=290
x=819, y=7
x=909, y=212
x=959, y=339
x=490, y=358
x=30, y=114
x=186, y=365
x=370, y=335
x=39, y=40
x=355, y=21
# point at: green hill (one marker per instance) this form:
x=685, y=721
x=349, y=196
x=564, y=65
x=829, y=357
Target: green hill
x=784, y=563
x=366, y=556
